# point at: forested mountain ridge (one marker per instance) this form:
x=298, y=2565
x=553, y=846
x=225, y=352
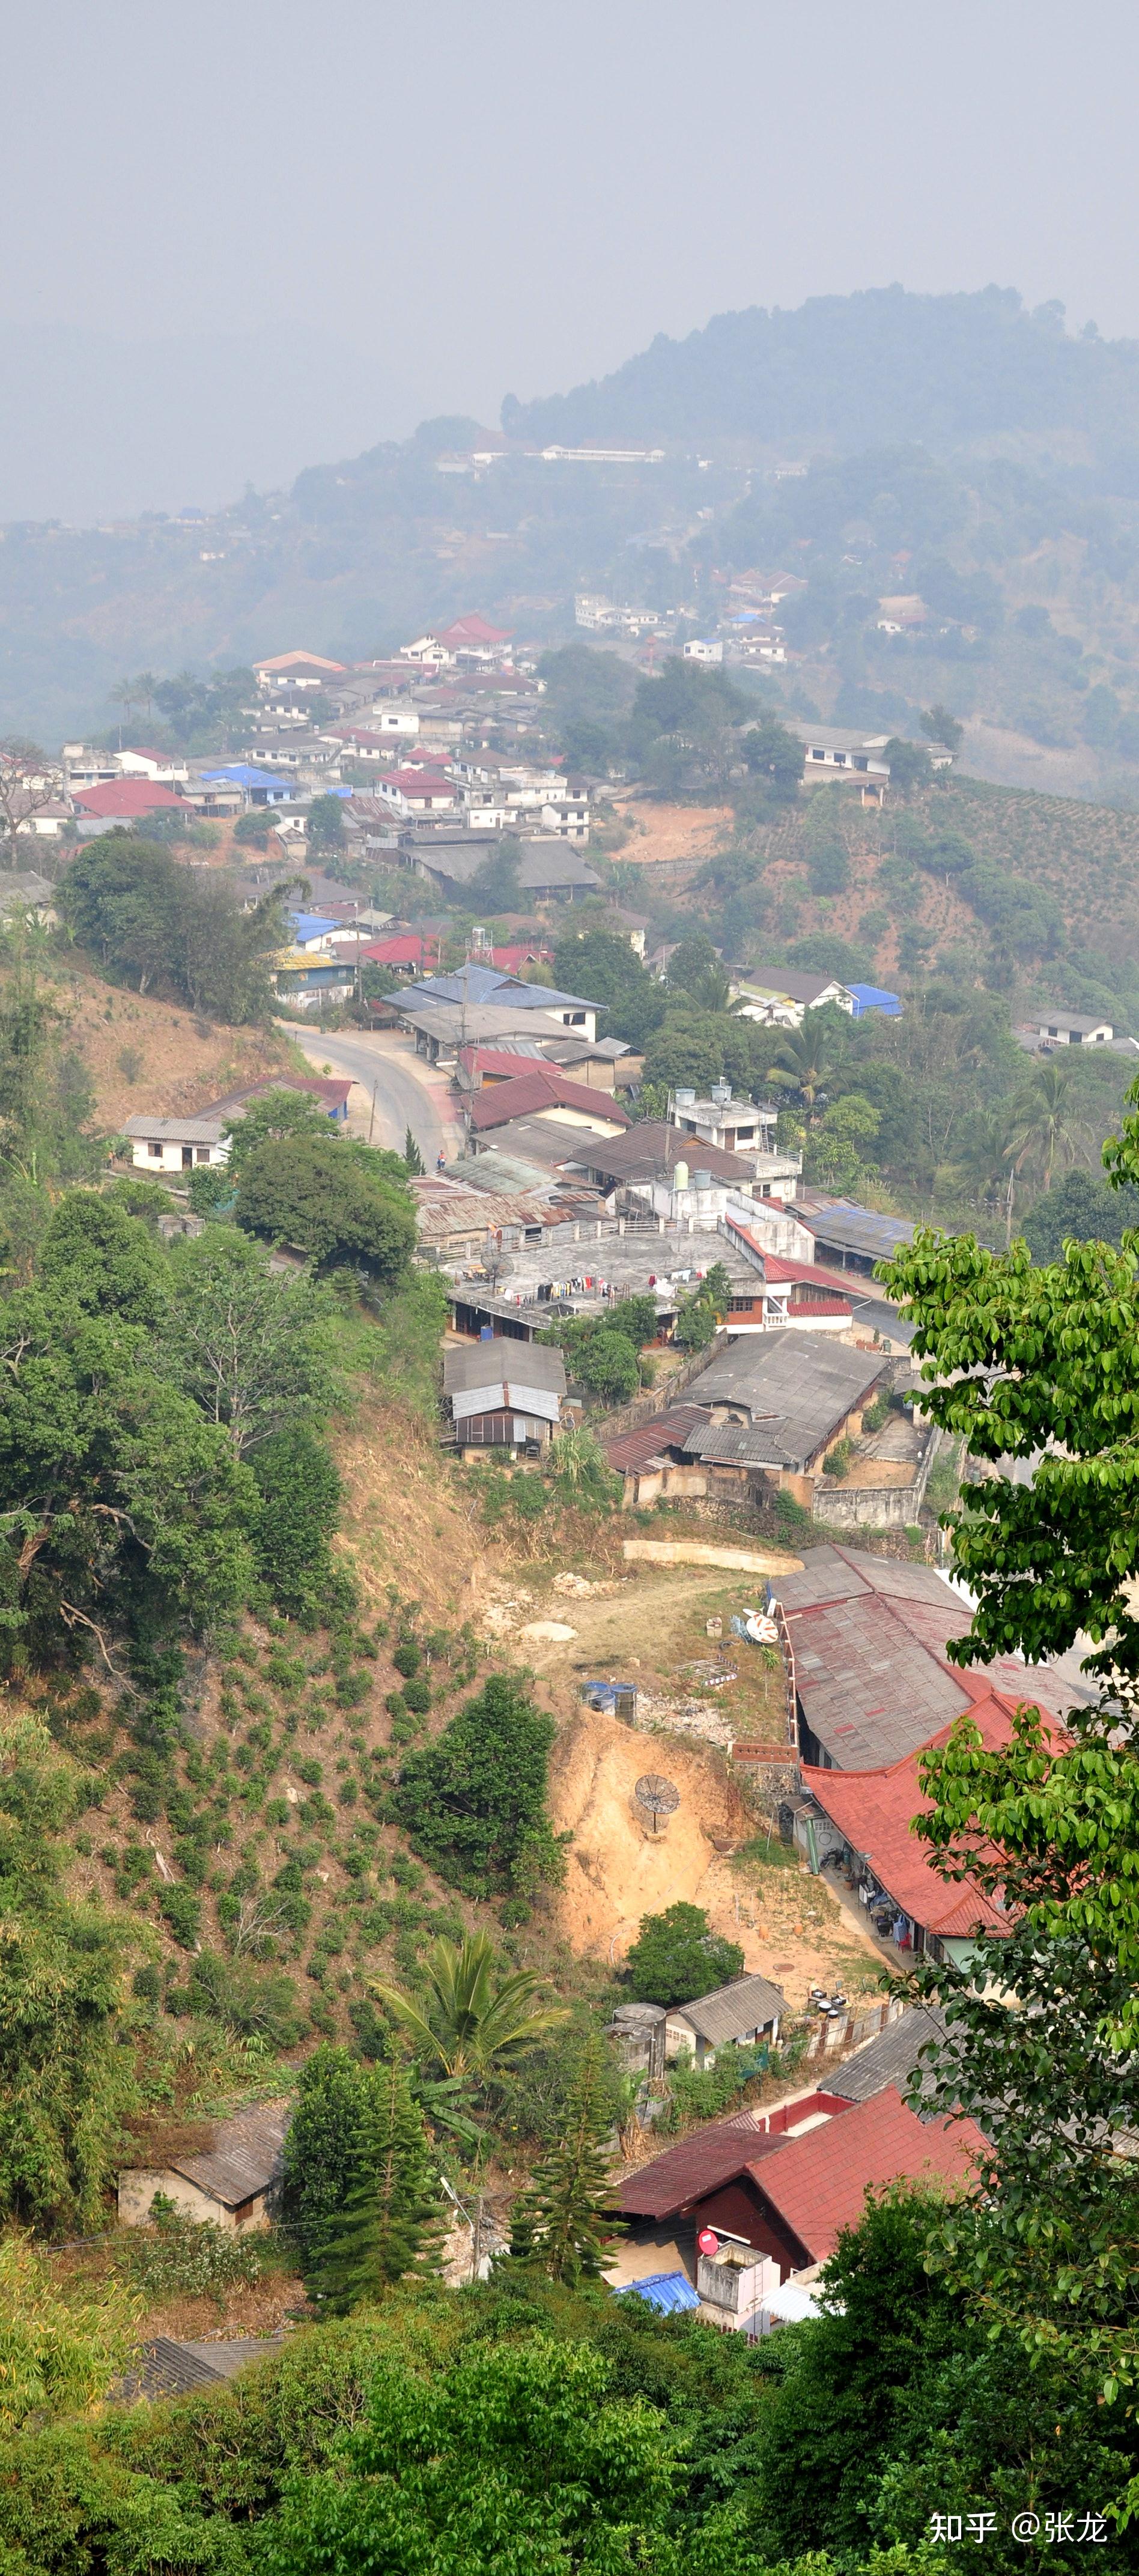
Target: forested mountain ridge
x=955, y=449
x=861, y=369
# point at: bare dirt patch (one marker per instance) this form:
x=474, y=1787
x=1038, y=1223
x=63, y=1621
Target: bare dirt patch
x=670, y=832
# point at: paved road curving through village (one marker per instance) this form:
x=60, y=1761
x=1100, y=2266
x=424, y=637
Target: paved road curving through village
x=407, y=1093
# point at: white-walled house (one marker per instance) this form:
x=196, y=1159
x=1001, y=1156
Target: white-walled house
x=175, y=1144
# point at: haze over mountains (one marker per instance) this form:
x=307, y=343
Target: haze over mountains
x=956, y=447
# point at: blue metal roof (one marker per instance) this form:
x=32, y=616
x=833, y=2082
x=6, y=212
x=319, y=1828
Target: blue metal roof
x=313, y=925
x=870, y=997
x=243, y=776
x=670, y=2292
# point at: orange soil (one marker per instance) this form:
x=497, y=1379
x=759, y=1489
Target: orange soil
x=664, y=833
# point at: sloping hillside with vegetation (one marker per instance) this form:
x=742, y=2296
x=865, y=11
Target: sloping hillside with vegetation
x=956, y=454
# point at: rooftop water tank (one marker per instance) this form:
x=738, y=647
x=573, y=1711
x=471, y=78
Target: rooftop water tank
x=680, y=1176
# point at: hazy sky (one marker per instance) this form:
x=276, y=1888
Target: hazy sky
x=413, y=209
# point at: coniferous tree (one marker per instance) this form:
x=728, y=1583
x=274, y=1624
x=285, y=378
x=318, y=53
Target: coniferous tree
x=411, y=1155
x=390, y=2219
x=560, y=2221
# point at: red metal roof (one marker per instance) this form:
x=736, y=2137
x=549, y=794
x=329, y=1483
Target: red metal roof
x=540, y=1087
x=876, y=1812
x=406, y=950
x=633, y=1449
x=471, y=629
x=127, y=796
x=776, y=1268
x=698, y=2165
x=818, y=2184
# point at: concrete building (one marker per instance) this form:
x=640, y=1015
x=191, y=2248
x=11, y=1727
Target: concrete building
x=230, y=2183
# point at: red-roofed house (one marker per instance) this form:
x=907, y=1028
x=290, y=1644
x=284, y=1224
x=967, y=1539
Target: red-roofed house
x=866, y=1818
x=127, y=800
x=295, y=671
x=473, y=634
x=789, y=2197
x=408, y=953
x=542, y=1092
x=418, y=791
x=786, y=1293
x=524, y=952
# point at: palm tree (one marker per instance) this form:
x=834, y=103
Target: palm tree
x=122, y=696
x=474, y=2020
x=1042, y=1118
x=809, y=1057
x=991, y=1160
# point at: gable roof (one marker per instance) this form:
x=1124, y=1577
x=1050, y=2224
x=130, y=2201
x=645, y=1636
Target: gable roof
x=483, y=1364
x=797, y=1389
x=863, y=1231
x=745, y=2003
x=890, y=2058
x=488, y=984
x=471, y=629
x=127, y=796
x=654, y=1144
x=781, y=982
x=716, y=2151
x=245, y=2158
x=306, y=661
x=817, y=2184
x=869, y=1637
x=542, y=1086
x=631, y=1450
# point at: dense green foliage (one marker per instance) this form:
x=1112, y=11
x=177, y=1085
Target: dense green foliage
x=387, y=2222
x=1039, y=1362
x=676, y=1956
x=148, y=918
x=62, y=2081
x=474, y=1801
x=333, y=1200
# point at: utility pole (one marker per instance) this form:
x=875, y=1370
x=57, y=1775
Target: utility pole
x=372, y=1119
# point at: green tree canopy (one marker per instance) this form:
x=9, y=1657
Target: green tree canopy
x=474, y=1801
x=676, y=1956
x=149, y=919
x=272, y=1114
x=599, y=963
x=314, y=1193
x=246, y=1341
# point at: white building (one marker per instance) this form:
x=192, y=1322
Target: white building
x=175, y=1144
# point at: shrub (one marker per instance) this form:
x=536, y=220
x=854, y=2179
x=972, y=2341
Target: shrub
x=187, y=2258
x=474, y=1802
x=677, y=1956
x=300, y=1498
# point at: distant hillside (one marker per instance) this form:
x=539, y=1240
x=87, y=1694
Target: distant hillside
x=859, y=370
x=954, y=451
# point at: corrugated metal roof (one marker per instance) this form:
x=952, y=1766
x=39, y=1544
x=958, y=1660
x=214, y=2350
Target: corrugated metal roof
x=166, y=2368
x=860, y=1230
x=748, y=2003
x=697, y=2166
x=869, y=1636
x=875, y=1810
x=890, y=2058
x=818, y=2184
x=245, y=2158
x=669, y=2292
x=632, y=1450
x=485, y=1364
x=797, y=1388
x=176, y=1131
x=539, y=1087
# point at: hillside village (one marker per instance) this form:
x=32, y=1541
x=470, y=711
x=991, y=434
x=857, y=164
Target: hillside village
x=505, y=1547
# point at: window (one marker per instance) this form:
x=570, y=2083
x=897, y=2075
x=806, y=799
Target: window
x=155, y=1152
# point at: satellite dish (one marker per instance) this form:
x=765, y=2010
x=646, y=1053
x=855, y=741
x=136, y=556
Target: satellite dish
x=708, y=2242
x=657, y=1799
